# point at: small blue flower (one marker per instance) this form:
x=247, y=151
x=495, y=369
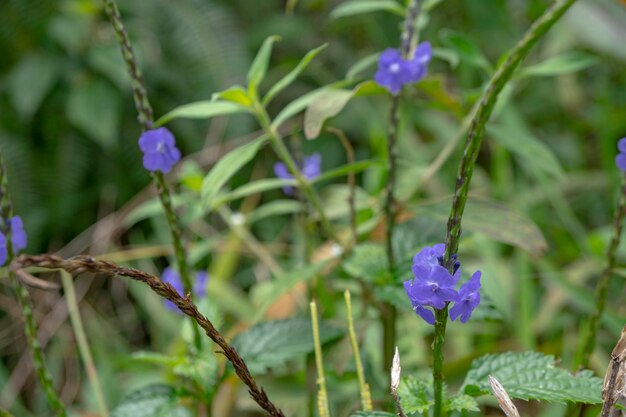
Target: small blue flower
x=620, y=159
x=311, y=168
x=18, y=235
x=159, y=150
x=394, y=71
x=171, y=276
x=3, y=249
x=469, y=298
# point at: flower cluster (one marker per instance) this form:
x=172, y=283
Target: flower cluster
x=159, y=150
x=394, y=71
x=620, y=159
x=18, y=238
x=171, y=276
x=311, y=168
x=434, y=286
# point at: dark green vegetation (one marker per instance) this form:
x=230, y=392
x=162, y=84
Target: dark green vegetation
x=537, y=223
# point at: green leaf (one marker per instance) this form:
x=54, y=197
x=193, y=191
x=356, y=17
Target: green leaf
x=416, y=394
x=495, y=220
x=204, y=109
x=274, y=208
x=293, y=74
x=258, y=69
x=272, y=343
x=251, y=188
x=461, y=402
x=368, y=262
x=467, y=49
x=297, y=106
x=30, y=81
x=372, y=414
x=532, y=376
x=351, y=8
x=156, y=400
x=94, y=107
x=562, y=64
x=226, y=167
x=346, y=169
x=235, y=94
x=361, y=65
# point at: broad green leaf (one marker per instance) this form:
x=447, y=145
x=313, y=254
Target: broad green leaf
x=156, y=400
x=251, y=188
x=467, y=49
x=272, y=343
x=372, y=414
x=461, y=402
x=346, y=169
x=416, y=394
x=202, y=110
x=293, y=74
x=94, y=107
x=447, y=54
x=532, y=376
x=274, y=208
x=228, y=166
x=562, y=64
x=30, y=80
x=494, y=220
x=235, y=94
x=351, y=8
x=258, y=69
x=368, y=262
x=530, y=150
x=266, y=293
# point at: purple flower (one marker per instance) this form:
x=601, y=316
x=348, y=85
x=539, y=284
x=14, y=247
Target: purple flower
x=159, y=150
x=311, y=168
x=620, y=159
x=469, y=298
x=394, y=71
x=18, y=238
x=171, y=276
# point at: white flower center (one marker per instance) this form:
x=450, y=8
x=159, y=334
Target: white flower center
x=394, y=68
x=161, y=147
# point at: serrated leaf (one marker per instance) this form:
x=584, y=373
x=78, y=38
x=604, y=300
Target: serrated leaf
x=235, y=94
x=461, y=402
x=204, y=109
x=30, y=81
x=94, y=108
x=562, y=64
x=271, y=343
x=532, y=376
x=293, y=74
x=258, y=69
x=351, y=8
x=228, y=166
x=156, y=400
x=416, y=394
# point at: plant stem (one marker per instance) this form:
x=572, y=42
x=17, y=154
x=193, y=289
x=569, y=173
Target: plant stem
x=25, y=303
x=322, y=394
x=441, y=320
x=487, y=102
x=283, y=153
x=603, y=285
x=366, y=397
x=146, y=120
x=84, y=263
x=81, y=340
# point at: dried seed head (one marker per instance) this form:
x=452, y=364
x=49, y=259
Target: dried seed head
x=395, y=371
x=503, y=398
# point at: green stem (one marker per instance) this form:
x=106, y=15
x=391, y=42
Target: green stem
x=366, y=397
x=146, y=119
x=25, y=303
x=81, y=340
x=603, y=285
x=487, y=102
x=283, y=153
x=441, y=320
x=322, y=395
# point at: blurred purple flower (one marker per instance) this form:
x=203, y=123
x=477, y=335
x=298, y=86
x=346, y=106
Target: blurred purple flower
x=171, y=276
x=395, y=71
x=3, y=249
x=620, y=159
x=159, y=150
x=311, y=168
x=469, y=298
x=18, y=239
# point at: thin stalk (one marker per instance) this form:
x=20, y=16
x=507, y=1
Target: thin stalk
x=390, y=314
x=25, y=303
x=145, y=117
x=603, y=285
x=441, y=320
x=322, y=393
x=80, y=264
x=81, y=340
x=364, y=389
x=283, y=153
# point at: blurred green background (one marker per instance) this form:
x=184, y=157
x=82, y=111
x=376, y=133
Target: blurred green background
x=68, y=134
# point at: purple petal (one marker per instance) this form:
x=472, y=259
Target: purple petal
x=3, y=249
x=427, y=315
x=420, y=272
x=621, y=145
x=154, y=161
x=312, y=166
x=199, y=287
x=471, y=286
x=281, y=171
x=620, y=161
x=388, y=57
x=442, y=277
x=18, y=235
x=423, y=53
